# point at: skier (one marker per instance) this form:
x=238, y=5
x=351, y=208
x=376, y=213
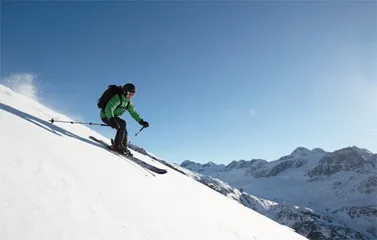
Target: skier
x=113, y=108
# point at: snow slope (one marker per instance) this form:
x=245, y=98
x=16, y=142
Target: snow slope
x=57, y=184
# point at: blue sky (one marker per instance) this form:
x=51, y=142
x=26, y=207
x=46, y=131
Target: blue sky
x=217, y=81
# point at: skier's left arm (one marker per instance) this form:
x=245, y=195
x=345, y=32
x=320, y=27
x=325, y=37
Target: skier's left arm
x=133, y=113
x=136, y=116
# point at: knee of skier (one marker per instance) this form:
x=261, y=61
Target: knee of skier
x=105, y=120
x=121, y=122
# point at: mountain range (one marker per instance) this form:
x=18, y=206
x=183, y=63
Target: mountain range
x=322, y=195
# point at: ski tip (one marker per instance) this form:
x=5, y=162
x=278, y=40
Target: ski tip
x=162, y=171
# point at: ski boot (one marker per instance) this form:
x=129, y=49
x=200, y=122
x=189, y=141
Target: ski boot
x=128, y=152
x=120, y=148
x=125, y=145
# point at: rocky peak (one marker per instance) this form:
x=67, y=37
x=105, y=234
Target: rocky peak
x=244, y=163
x=186, y=163
x=346, y=159
x=197, y=167
x=353, y=149
x=209, y=164
x=284, y=165
x=300, y=152
x=318, y=150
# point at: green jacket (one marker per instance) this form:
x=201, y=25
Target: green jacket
x=115, y=108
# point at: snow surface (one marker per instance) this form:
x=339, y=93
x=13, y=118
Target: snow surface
x=57, y=184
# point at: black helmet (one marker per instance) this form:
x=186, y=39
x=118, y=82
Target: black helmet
x=129, y=87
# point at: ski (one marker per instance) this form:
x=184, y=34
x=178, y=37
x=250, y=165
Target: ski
x=110, y=149
x=139, y=162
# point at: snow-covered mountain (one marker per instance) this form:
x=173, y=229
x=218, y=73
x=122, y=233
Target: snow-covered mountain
x=55, y=183
x=339, y=185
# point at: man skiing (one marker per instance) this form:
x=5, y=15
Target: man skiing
x=114, y=108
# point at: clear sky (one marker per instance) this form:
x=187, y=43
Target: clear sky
x=217, y=81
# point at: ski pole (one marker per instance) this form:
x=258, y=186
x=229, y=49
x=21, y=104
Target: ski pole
x=141, y=129
x=71, y=122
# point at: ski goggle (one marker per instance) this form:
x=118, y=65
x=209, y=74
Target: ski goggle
x=131, y=93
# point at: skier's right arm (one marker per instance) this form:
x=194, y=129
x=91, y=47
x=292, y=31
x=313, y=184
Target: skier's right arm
x=111, y=105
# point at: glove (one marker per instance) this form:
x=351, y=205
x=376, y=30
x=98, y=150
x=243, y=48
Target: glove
x=144, y=123
x=114, y=123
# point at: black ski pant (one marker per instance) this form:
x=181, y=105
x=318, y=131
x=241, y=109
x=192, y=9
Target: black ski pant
x=121, y=134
